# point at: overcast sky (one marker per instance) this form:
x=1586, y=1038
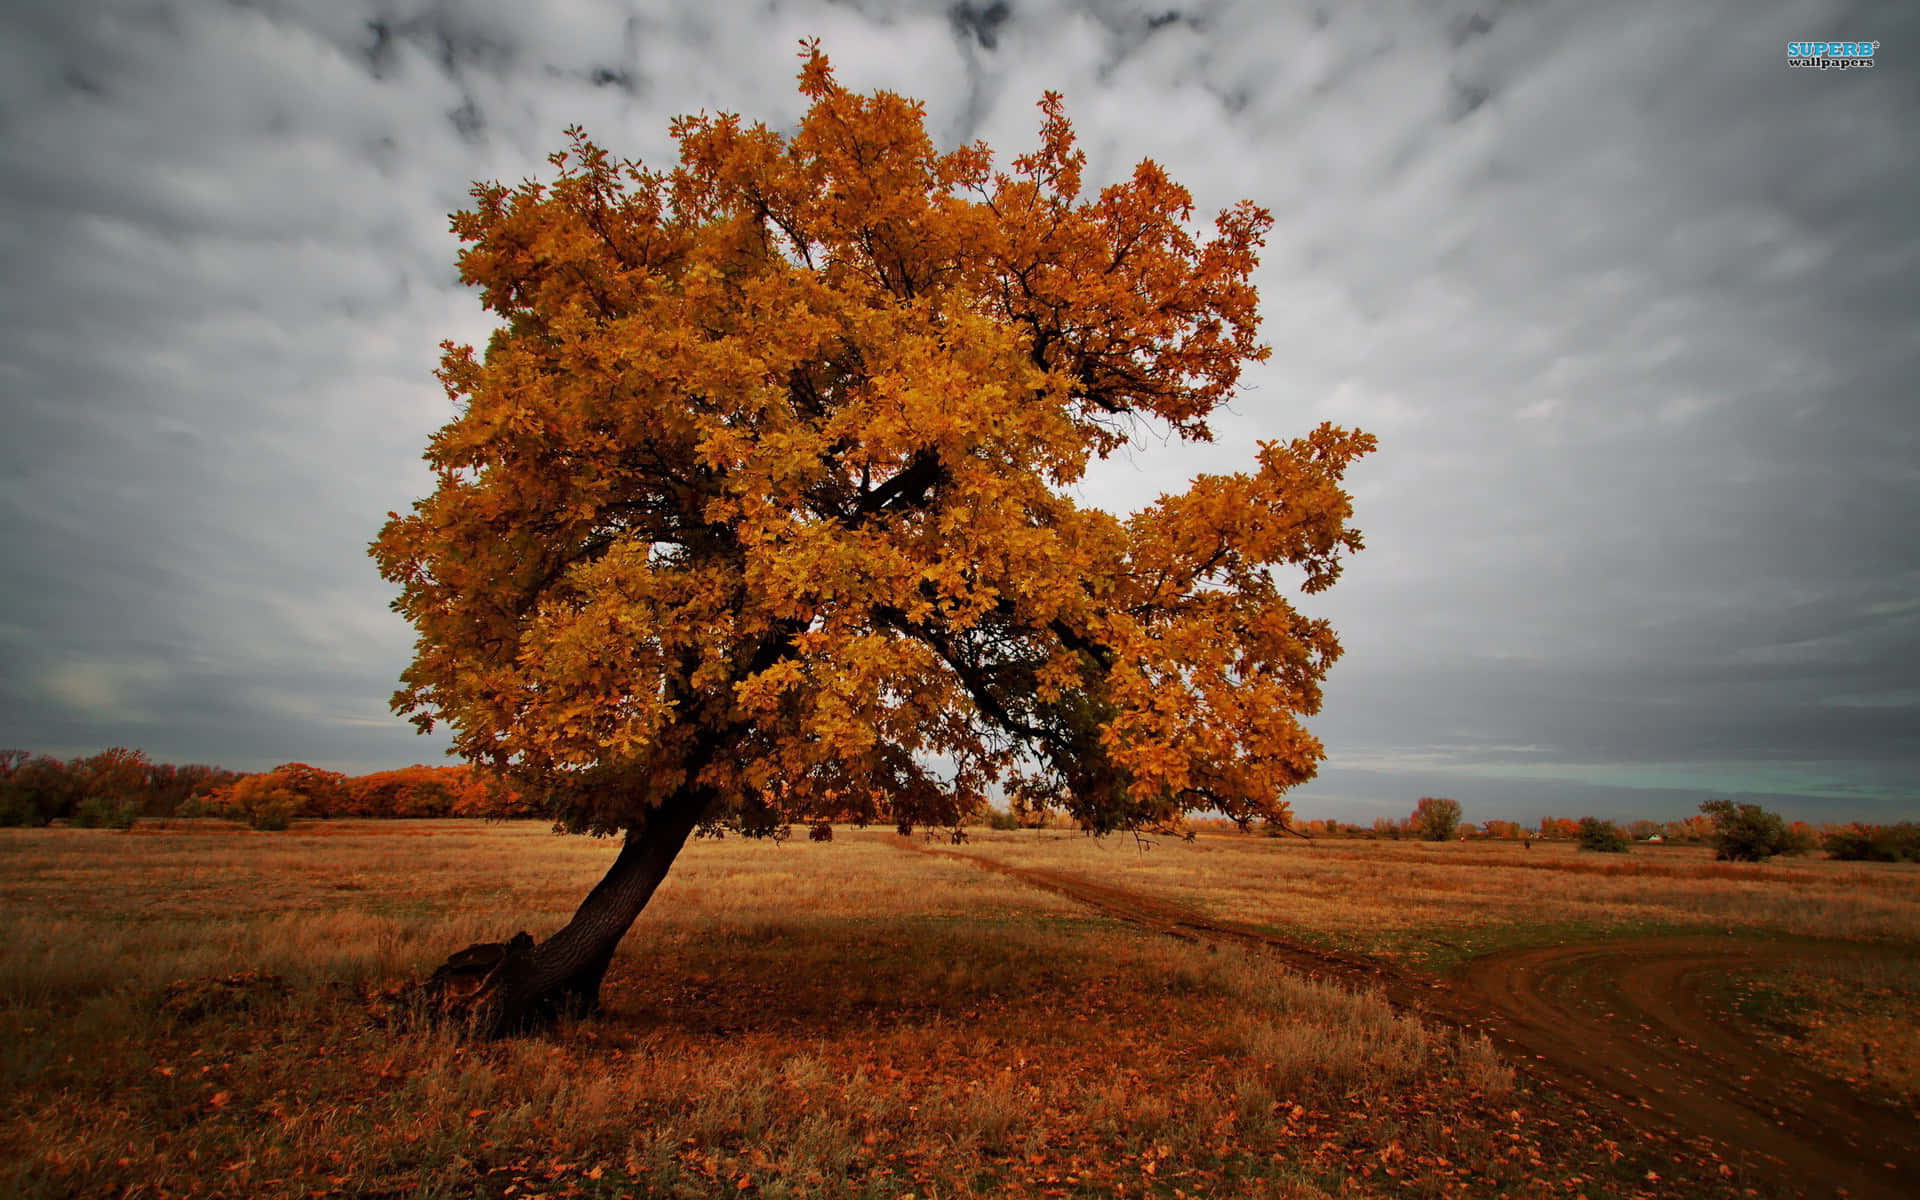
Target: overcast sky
x=1633, y=307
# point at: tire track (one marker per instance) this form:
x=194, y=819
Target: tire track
x=1630, y=1025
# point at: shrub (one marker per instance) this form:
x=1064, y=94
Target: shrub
x=820, y=832
x=1602, y=837
x=1747, y=832
x=272, y=815
x=105, y=812
x=1000, y=818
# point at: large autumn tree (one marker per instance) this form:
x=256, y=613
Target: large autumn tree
x=757, y=506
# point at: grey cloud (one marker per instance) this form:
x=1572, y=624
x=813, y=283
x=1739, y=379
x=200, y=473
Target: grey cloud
x=1629, y=302
x=981, y=22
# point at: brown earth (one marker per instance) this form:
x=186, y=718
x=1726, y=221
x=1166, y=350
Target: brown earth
x=1635, y=1027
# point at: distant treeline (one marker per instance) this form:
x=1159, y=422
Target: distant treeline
x=1693, y=830
x=116, y=787
x=1855, y=841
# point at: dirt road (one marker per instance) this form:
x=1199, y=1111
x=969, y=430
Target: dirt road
x=1630, y=1025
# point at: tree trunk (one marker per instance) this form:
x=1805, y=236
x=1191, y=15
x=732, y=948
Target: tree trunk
x=517, y=986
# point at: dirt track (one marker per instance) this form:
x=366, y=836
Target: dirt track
x=1629, y=1025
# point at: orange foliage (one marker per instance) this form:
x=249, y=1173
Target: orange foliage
x=1697, y=828
x=763, y=489
x=277, y=796
x=297, y=789
x=421, y=791
x=1435, y=818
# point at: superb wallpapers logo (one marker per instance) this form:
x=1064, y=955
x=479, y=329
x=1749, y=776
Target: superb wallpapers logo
x=1831, y=56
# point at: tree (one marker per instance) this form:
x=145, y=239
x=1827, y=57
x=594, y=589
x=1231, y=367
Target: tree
x=1874, y=843
x=1697, y=828
x=170, y=787
x=1603, y=837
x=115, y=785
x=1746, y=832
x=272, y=799
x=1435, y=818
x=1559, y=827
x=39, y=790
x=267, y=801
x=757, y=505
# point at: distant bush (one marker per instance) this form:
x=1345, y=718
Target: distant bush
x=1000, y=818
x=105, y=812
x=1874, y=843
x=820, y=831
x=273, y=816
x=1603, y=837
x=1749, y=833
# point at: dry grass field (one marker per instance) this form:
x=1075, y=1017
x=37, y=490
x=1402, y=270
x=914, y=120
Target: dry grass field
x=1431, y=904
x=858, y=1019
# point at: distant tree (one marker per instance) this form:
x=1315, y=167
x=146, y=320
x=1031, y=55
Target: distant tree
x=416, y=791
x=171, y=787
x=1874, y=843
x=1559, y=828
x=38, y=790
x=272, y=799
x=1746, y=832
x=265, y=801
x=761, y=499
x=1273, y=827
x=1505, y=831
x=1435, y=818
x=109, y=788
x=1802, y=838
x=1690, y=829
x=1387, y=827
x=319, y=792
x=114, y=783
x=1603, y=837
x=1641, y=830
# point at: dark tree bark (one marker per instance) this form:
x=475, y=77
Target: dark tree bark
x=518, y=986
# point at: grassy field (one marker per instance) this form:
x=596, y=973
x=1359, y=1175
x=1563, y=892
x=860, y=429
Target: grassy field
x=1429, y=904
x=840, y=1019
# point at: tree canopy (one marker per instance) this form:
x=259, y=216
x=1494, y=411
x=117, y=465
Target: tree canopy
x=1435, y=818
x=763, y=489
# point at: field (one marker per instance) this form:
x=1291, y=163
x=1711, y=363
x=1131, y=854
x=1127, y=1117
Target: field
x=195, y=1009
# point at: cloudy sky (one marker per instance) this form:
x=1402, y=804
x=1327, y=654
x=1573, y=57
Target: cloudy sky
x=1633, y=306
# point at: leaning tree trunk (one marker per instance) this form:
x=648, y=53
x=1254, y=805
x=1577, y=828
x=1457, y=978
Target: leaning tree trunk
x=516, y=986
